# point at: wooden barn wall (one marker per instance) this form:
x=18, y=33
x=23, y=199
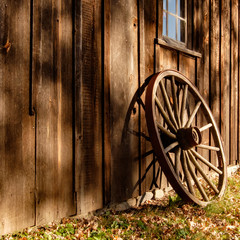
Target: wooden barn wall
x=50, y=111
x=212, y=64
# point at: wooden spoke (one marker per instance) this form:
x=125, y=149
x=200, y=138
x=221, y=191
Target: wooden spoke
x=169, y=108
x=208, y=147
x=199, y=168
x=178, y=160
x=165, y=131
x=193, y=115
x=171, y=146
x=175, y=103
x=187, y=174
x=195, y=179
x=180, y=99
x=205, y=127
x=165, y=116
x=170, y=158
x=205, y=161
x=184, y=103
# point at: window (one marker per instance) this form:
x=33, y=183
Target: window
x=175, y=20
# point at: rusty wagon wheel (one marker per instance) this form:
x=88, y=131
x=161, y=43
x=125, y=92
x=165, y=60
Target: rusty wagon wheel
x=180, y=125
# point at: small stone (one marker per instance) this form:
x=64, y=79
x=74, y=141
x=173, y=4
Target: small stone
x=132, y=202
x=158, y=194
x=122, y=206
x=231, y=170
x=138, y=200
x=145, y=197
x=167, y=189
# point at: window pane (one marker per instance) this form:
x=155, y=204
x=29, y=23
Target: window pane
x=174, y=19
x=172, y=6
x=181, y=31
x=181, y=8
x=165, y=4
x=171, y=26
x=164, y=24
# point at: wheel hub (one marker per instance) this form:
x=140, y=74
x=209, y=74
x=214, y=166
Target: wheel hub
x=189, y=137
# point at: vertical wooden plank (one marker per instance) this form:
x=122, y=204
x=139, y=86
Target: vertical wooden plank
x=159, y=20
x=166, y=58
x=17, y=162
x=196, y=24
x=234, y=83
x=225, y=76
x=46, y=112
x=106, y=107
x=124, y=84
x=78, y=115
x=3, y=40
x=203, y=76
x=238, y=128
x=187, y=66
x=214, y=100
x=203, y=73
x=215, y=61
x=98, y=201
x=148, y=25
x=52, y=71
x=91, y=189
x=64, y=48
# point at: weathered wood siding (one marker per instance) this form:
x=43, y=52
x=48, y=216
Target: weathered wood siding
x=52, y=82
x=123, y=85
x=89, y=182
x=17, y=141
x=51, y=111
x=212, y=65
